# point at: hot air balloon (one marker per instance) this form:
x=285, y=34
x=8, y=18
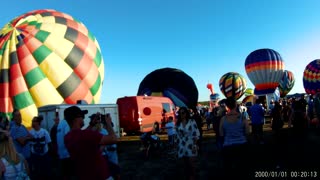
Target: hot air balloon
x=249, y=98
x=47, y=57
x=172, y=83
x=264, y=68
x=311, y=77
x=210, y=87
x=286, y=83
x=248, y=92
x=232, y=84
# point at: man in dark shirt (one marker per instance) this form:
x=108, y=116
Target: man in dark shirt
x=84, y=146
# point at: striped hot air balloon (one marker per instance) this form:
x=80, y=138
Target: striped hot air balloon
x=286, y=83
x=249, y=98
x=232, y=84
x=311, y=77
x=47, y=57
x=248, y=92
x=264, y=68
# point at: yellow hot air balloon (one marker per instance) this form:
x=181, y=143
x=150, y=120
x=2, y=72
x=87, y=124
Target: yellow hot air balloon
x=47, y=57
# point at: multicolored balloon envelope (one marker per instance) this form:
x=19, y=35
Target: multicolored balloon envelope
x=232, y=84
x=248, y=92
x=47, y=57
x=249, y=98
x=171, y=83
x=214, y=97
x=311, y=77
x=264, y=68
x=286, y=83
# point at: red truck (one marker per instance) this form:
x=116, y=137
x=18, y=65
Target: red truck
x=138, y=114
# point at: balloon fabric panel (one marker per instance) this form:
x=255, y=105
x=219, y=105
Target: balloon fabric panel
x=47, y=52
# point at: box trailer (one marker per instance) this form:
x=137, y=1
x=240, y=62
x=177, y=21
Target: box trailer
x=139, y=113
x=49, y=112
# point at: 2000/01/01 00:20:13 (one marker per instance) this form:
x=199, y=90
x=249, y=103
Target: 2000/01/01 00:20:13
x=286, y=174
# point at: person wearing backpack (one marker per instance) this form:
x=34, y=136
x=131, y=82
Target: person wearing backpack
x=12, y=164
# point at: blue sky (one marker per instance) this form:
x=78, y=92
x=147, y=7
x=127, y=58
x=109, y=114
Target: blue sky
x=203, y=38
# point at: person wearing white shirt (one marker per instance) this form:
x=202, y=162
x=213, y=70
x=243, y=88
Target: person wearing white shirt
x=171, y=131
x=39, y=150
x=65, y=161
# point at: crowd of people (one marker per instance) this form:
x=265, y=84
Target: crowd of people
x=73, y=152
x=91, y=153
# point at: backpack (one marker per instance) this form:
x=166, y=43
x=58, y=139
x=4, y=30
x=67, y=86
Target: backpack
x=217, y=114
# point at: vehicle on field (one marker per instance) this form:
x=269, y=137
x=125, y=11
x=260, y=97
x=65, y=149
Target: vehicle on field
x=50, y=112
x=138, y=114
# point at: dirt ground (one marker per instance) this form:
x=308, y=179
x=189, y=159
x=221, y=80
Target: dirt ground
x=293, y=154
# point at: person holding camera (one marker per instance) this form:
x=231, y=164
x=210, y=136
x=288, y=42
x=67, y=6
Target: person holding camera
x=84, y=146
x=110, y=150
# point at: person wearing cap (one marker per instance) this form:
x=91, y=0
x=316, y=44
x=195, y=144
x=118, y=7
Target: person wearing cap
x=109, y=152
x=84, y=146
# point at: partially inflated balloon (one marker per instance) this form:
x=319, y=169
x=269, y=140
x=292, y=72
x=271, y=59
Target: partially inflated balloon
x=172, y=83
x=311, y=77
x=264, y=68
x=47, y=57
x=286, y=83
x=232, y=84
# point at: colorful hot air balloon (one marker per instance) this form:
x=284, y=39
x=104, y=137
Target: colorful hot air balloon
x=47, y=57
x=210, y=87
x=286, y=83
x=248, y=92
x=172, y=83
x=264, y=68
x=249, y=98
x=311, y=77
x=232, y=84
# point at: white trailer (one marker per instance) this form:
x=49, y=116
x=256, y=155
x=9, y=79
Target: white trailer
x=49, y=112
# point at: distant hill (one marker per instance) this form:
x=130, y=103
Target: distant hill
x=204, y=103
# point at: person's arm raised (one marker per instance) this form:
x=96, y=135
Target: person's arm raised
x=111, y=138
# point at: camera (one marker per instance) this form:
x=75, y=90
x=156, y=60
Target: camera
x=103, y=118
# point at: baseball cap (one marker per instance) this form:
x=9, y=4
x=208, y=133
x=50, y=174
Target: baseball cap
x=72, y=112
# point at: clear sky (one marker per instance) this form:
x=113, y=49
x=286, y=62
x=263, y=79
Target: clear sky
x=203, y=38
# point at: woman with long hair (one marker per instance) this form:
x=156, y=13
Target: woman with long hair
x=12, y=163
x=234, y=128
x=187, y=136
